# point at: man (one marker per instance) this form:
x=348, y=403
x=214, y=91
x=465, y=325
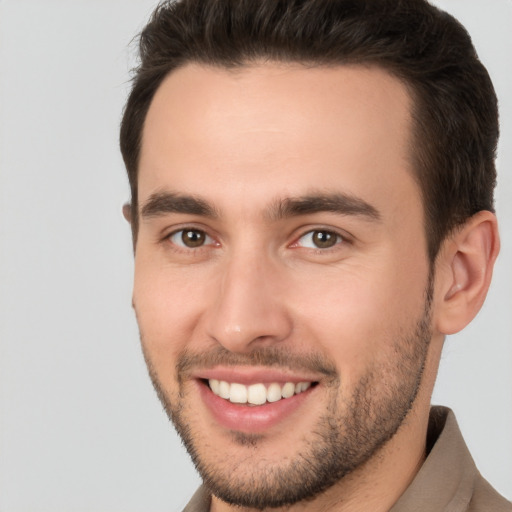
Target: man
x=312, y=213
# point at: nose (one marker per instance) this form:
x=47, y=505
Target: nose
x=248, y=309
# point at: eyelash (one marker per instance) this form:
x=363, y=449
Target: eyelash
x=327, y=233
x=176, y=239
x=179, y=243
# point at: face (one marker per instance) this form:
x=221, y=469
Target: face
x=282, y=285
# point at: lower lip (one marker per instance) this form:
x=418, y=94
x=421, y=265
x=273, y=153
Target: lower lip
x=251, y=419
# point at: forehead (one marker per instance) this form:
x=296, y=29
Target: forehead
x=273, y=127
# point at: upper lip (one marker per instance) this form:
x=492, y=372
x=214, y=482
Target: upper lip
x=252, y=375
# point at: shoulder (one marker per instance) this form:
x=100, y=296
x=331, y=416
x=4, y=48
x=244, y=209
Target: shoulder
x=486, y=498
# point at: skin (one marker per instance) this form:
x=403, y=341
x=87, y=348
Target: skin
x=242, y=141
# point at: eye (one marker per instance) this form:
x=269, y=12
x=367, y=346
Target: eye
x=319, y=239
x=190, y=238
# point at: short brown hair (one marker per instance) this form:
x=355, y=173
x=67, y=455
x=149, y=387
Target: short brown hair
x=455, y=116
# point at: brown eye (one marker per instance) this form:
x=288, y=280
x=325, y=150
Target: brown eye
x=190, y=238
x=324, y=239
x=193, y=238
x=319, y=239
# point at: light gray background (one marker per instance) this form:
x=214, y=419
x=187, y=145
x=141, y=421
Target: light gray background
x=80, y=427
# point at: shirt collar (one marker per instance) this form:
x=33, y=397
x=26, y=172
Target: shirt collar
x=446, y=479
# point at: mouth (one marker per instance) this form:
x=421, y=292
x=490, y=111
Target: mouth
x=254, y=401
x=257, y=394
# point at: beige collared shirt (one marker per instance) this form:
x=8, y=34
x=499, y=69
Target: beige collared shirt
x=448, y=481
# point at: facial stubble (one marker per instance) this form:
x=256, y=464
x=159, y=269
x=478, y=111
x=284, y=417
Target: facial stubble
x=346, y=436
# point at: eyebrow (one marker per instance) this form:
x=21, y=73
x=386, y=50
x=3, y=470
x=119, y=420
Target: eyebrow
x=161, y=203
x=343, y=204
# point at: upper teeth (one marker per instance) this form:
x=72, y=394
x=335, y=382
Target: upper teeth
x=256, y=394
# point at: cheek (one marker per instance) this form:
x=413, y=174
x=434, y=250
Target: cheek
x=357, y=315
x=167, y=304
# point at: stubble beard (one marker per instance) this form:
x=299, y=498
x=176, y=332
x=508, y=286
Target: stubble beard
x=345, y=437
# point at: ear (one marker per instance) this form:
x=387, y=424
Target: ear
x=127, y=212
x=464, y=270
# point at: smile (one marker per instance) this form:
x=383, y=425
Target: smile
x=255, y=399
x=256, y=394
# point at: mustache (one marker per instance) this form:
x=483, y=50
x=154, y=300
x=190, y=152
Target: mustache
x=266, y=356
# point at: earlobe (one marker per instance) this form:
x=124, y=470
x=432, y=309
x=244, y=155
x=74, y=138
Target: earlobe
x=127, y=212
x=468, y=260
